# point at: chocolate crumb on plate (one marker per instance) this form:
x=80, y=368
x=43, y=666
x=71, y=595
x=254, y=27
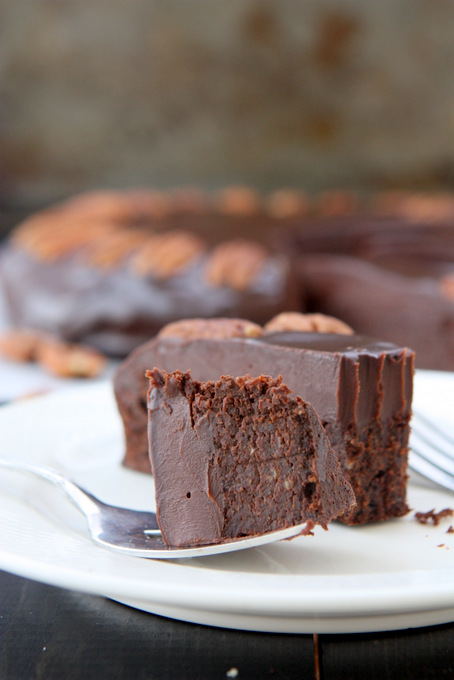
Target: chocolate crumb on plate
x=434, y=517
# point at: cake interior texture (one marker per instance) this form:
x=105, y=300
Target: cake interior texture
x=238, y=457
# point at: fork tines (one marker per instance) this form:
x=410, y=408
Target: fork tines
x=431, y=451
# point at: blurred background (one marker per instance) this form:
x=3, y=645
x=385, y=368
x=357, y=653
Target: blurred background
x=316, y=95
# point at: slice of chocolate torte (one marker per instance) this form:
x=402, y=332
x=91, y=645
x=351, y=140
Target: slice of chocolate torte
x=238, y=457
x=360, y=388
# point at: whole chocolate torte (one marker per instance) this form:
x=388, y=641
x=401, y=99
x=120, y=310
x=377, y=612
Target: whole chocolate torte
x=360, y=388
x=110, y=269
x=238, y=457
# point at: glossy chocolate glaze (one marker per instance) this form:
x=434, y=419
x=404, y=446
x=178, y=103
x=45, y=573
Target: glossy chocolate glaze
x=350, y=345
x=364, y=365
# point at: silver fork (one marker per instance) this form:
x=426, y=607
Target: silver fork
x=133, y=532
x=431, y=451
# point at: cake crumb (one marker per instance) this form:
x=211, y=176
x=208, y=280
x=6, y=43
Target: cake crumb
x=441, y=545
x=232, y=673
x=432, y=516
x=450, y=530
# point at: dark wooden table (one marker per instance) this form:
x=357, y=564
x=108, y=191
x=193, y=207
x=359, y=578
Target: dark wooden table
x=50, y=633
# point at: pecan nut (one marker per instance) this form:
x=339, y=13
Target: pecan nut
x=418, y=207
x=447, y=286
x=20, y=345
x=119, y=207
x=235, y=264
x=307, y=323
x=166, y=254
x=287, y=203
x=240, y=201
x=53, y=234
x=67, y=360
x=187, y=200
x=220, y=328
x=109, y=250
x=337, y=203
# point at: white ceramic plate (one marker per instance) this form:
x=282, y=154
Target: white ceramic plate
x=393, y=575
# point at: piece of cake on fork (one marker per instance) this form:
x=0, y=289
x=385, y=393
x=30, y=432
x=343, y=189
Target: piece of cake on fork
x=238, y=457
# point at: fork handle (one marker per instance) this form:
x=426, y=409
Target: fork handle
x=81, y=499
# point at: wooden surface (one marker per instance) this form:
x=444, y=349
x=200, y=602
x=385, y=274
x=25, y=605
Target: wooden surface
x=51, y=633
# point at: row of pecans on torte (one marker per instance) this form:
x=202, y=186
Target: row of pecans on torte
x=71, y=360
x=110, y=229
x=138, y=206
x=129, y=207
x=107, y=245
x=232, y=263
